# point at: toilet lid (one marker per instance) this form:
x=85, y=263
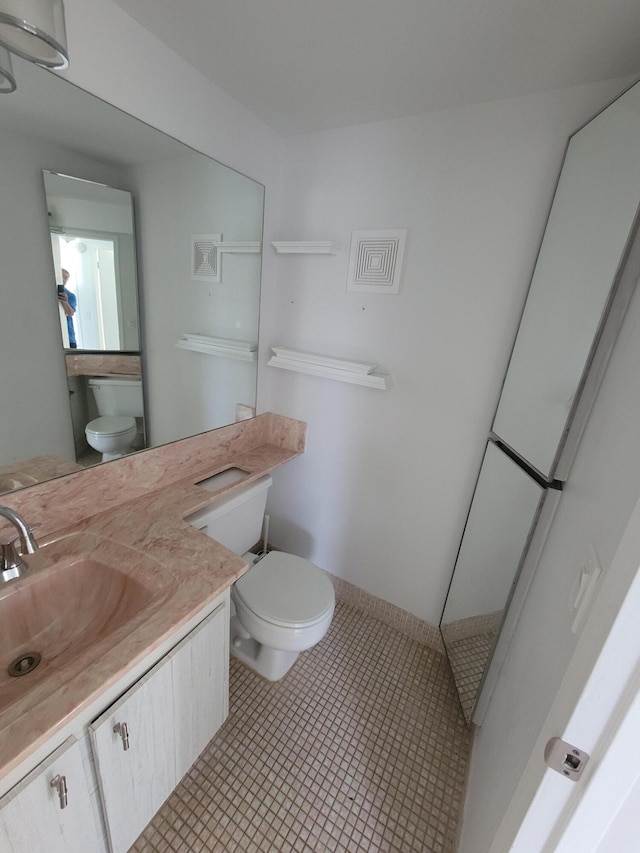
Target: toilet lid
x=111, y=425
x=286, y=590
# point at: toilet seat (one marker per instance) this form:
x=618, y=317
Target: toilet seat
x=286, y=591
x=111, y=425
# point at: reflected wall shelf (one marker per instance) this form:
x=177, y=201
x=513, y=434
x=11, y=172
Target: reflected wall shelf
x=329, y=367
x=235, y=247
x=308, y=247
x=243, y=350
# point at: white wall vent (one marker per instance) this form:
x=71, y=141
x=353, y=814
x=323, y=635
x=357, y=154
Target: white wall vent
x=375, y=262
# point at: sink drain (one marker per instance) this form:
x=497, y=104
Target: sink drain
x=24, y=664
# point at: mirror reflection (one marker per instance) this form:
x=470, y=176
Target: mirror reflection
x=505, y=504
x=585, y=240
x=93, y=250
x=127, y=213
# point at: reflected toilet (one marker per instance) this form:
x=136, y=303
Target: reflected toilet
x=119, y=402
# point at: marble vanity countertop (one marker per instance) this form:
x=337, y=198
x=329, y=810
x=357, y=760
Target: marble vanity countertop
x=196, y=571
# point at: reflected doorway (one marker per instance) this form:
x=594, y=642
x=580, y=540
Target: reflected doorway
x=93, y=280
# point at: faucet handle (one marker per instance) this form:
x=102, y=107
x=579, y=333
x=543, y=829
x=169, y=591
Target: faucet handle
x=28, y=544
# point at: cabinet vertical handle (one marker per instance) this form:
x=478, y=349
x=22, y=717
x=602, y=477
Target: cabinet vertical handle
x=60, y=784
x=122, y=730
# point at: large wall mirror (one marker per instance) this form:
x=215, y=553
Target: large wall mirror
x=587, y=268
x=157, y=246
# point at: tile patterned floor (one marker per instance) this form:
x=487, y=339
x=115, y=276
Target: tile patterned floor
x=89, y=458
x=361, y=747
x=468, y=657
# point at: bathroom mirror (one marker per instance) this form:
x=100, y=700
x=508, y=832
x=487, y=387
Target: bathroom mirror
x=558, y=358
x=94, y=259
x=187, y=208
x=504, y=506
x=592, y=216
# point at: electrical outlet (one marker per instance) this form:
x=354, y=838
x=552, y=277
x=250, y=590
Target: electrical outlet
x=584, y=587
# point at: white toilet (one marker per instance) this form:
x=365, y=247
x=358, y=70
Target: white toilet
x=283, y=604
x=119, y=402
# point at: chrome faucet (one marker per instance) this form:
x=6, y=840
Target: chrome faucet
x=11, y=563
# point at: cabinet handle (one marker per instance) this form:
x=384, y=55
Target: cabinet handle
x=122, y=730
x=60, y=784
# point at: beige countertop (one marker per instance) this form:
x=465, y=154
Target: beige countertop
x=188, y=571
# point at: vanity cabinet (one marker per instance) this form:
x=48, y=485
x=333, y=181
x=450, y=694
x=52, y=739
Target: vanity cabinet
x=165, y=719
x=32, y=815
x=147, y=740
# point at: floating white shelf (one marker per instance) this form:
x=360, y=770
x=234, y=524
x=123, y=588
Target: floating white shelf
x=308, y=247
x=328, y=367
x=225, y=347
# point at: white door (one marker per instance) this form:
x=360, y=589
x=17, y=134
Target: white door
x=200, y=672
x=31, y=814
x=134, y=748
x=597, y=709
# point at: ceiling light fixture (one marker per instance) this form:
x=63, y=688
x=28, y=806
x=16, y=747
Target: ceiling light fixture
x=7, y=78
x=35, y=30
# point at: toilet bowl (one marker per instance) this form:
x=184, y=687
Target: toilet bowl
x=283, y=605
x=111, y=435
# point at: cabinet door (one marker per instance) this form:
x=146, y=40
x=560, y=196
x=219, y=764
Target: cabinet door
x=31, y=817
x=136, y=781
x=200, y=673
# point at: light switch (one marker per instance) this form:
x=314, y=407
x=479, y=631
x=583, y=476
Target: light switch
x=584, y=587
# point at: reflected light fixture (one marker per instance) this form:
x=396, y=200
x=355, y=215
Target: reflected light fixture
x=35, y=30
x=7, y=78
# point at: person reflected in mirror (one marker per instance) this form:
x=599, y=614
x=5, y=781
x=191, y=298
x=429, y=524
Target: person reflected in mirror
x=69, y=303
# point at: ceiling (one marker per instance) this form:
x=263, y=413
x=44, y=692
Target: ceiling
x=308, y=65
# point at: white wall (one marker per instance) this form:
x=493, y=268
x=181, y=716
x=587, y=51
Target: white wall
x=381, y=495
x=598, y=501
